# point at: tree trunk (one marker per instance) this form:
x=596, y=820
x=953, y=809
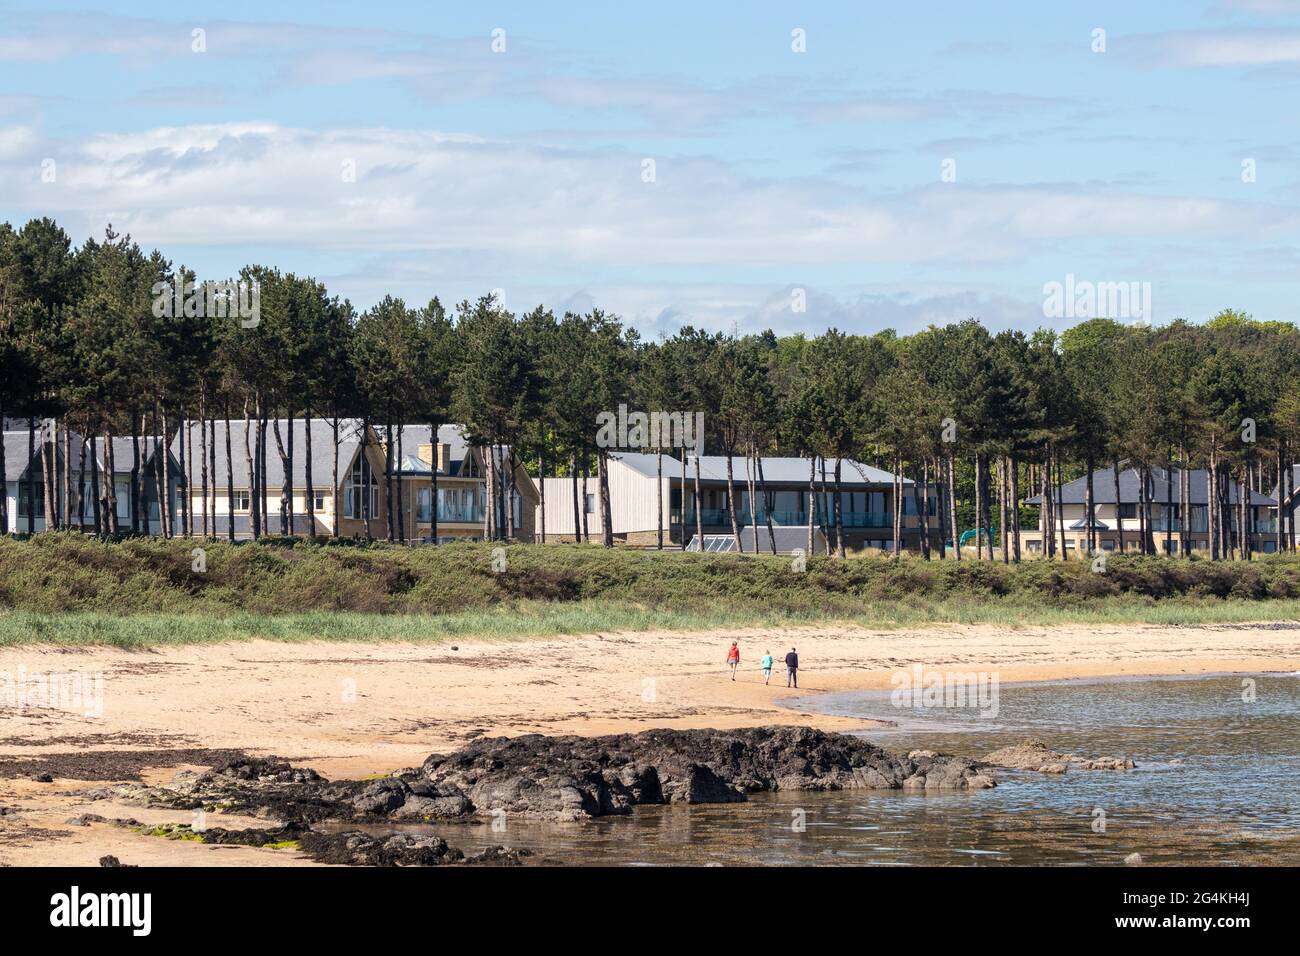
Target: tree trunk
x=67, y=481
x=751, y=490
x=840, y=551
x=307, y=474
x=334, y=476
x=812, y=501
x=81, y=486
x=47, y=475
x=577, y=507
x=1184, y=504
x=541, y=497
x=208, y=526
x=31, y=475
x=1002, y=510
x=699, y=511
x=681, y=493
x=921, y=495
x=110, y=483
x=184, y=436
x=767, y=505
x=1119, y=521
x=433, y=487
x=390, y=515
x=952, y=507
x=731, y=504
x=606, y=517
x=897, y=506
x=230, y=477
x=94, y=484
x=401, y=496
x=254, y=526
x=365, y=481
x=1015, y=509
x=659, y=492
x=586, y=521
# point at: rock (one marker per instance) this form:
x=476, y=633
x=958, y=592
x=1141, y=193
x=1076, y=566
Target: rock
x=113, y=861
x=917, y=754
x=575, y=777
x=1133, y=859
x=1035, y=755
x=568, y=778
x=42, y=778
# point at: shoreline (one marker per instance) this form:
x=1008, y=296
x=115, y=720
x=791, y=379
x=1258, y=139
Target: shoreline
x=351, y=710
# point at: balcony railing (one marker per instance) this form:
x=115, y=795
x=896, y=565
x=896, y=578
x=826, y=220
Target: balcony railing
x=720, y=517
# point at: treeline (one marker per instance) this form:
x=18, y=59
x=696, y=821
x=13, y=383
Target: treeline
x=982, y=421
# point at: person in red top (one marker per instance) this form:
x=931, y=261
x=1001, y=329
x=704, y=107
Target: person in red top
x=733, y=659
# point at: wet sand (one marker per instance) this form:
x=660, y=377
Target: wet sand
x=354, y=709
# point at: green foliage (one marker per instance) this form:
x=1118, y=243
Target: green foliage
x=64, y=588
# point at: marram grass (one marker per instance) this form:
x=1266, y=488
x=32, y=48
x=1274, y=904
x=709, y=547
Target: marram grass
x=68, y=589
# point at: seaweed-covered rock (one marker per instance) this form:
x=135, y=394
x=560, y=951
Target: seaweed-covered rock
x=1033, y=754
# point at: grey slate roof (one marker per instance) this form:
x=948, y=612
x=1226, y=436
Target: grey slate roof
x=1295, y=482
x=322, y=451
x=783, y=471
x=16, y=453
x=1103, y=488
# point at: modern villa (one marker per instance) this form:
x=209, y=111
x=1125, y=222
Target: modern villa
x=360, y=501
x=1117, y=522
x=25, y=484
x=636, y=486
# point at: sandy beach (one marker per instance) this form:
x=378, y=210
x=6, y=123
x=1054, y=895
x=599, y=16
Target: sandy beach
x=356, y=709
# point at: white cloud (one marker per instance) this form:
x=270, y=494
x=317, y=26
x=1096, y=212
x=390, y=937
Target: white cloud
x=268, y=184
x=1245, y=48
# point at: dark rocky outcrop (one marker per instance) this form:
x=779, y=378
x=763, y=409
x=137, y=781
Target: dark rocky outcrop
x=577, y=777
x=559, y=778
x=570, y=778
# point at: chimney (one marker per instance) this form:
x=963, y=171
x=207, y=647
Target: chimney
x=444, y=457
x=425, y=453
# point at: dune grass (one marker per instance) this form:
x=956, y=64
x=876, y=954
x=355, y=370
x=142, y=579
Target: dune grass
x=72, y=590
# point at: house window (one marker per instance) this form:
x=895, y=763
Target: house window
x=591, y=504
x=318, y=501
x=1128, y=510
x=24, y=498
x=422, y=511
x=354, y=500
x=241, y=502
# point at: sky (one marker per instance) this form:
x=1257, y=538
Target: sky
x=794, y=166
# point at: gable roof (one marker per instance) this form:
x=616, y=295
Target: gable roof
x=1295, y=483
x=1103, y=488
x=713, y=468
x=322, y=451
x=16, y=459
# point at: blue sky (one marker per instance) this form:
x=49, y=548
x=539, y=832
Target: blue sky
x=774, y=170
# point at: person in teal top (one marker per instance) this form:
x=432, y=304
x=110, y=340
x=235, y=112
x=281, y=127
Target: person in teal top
x=766, y=664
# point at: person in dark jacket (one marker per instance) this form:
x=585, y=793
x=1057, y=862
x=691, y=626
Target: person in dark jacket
x=792, y=669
